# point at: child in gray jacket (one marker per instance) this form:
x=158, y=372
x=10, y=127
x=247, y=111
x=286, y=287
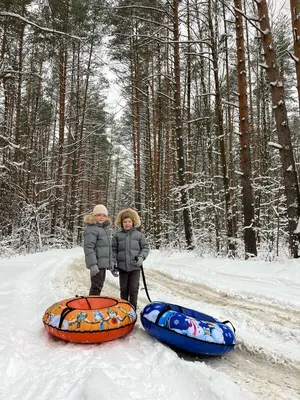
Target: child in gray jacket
x=97, y=247
x=129, y=249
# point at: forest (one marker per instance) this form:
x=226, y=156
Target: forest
x=206, y=146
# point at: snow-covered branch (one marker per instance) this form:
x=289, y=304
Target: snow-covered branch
x=197, y=119
x=228, y=103
x=276, y=145
x=250, y=20
x=14, y=15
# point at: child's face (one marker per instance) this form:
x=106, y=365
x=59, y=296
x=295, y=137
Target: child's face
x=127, y=224
x=101, y=218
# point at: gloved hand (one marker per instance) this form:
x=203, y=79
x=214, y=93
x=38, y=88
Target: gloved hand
x=94, y=270
x=114, y=271
x=138, y=261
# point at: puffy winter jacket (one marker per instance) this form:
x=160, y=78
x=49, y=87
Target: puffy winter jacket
x=97, y=243
x=126, y=245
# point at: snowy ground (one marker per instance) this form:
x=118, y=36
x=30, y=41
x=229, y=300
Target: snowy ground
x=262, y=300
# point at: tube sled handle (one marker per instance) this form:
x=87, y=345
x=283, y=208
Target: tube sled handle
x=228, y=322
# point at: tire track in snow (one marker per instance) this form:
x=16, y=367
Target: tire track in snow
x=256, y=307
x=251, y=368
x=269, y=378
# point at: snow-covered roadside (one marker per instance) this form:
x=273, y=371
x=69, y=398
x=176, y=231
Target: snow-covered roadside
x=262, y=326
x=275, y=281
x=267, y=364
x=35, y=365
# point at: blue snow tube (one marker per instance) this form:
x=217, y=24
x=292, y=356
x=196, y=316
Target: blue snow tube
x=187, y=329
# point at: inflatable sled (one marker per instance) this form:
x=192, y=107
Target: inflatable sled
x=187, y=330
x=90, y=319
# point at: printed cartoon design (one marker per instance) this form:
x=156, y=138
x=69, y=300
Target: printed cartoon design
x=131, y=314
x=217, y=334
x=113, y=317
x=54, y=321
x=174, y=321
x=89, y=320
x=151, y=313
x=188, y=326
x=99, y=318
x=80, y=317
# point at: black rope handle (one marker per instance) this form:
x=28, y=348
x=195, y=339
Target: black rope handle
x=68, y=309
x=164, y=310
x=228, y=322
x=65, y=312
x=145, y=284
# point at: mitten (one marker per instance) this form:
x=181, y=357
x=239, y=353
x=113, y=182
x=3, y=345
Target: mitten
x=94, y=270
x=138, y=261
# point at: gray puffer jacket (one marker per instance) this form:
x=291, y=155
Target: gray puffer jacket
x=97, y=243
x=126, y=245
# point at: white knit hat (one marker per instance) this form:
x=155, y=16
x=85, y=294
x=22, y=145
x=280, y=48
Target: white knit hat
x=100, y=209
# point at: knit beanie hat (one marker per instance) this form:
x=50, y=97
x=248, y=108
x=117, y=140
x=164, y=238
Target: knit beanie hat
x=100, y=209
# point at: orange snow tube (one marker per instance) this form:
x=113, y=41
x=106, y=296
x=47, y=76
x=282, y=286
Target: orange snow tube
x=90, y=319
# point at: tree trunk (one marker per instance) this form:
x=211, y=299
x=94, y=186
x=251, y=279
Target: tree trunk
x=247, y=192
x=61, y=135
x=137, y=132
x=295, y=16
x=179, y=132
x=220, y=133
x=230, y=141
x=283, y=131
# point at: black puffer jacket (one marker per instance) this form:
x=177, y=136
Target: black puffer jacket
x=97, y=243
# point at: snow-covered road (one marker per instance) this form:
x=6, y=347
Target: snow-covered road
x=271, y=370
x=266, y=359
x=263, y=306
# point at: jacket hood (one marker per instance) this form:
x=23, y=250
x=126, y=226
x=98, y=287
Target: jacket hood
x=133, y=215
x=93, y=219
